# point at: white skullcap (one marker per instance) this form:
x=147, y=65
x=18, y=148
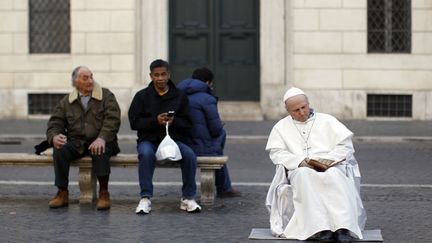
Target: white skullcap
x=292, y=92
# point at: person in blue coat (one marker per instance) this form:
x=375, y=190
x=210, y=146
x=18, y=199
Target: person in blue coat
x=207, y=136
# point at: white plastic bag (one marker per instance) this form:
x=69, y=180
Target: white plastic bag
x=168, y=149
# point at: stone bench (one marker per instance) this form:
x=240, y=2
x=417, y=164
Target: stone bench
x=87, y=182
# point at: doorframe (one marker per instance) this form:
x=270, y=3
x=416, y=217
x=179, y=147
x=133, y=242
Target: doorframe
x=275, y=33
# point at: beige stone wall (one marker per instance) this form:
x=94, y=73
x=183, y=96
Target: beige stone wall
x=330, y=59
x=103, y=38
x=317, y=45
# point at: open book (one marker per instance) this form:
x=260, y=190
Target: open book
x=321, y=164
x=327, y=162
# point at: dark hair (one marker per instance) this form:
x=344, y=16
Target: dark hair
x=159, y=63
x=204, y=74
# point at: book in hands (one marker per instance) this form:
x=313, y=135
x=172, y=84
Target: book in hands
x=321, y=164
x=328, y=162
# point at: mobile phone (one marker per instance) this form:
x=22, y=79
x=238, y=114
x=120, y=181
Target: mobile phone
x=171, y=113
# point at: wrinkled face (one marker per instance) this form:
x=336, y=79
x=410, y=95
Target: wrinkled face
x=160, y=77
x=84, y=81
x=298, y=107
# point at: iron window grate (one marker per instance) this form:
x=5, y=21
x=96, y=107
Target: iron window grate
x=385, y=105
x=49, y=26
x=389, y=26
x=43, y=104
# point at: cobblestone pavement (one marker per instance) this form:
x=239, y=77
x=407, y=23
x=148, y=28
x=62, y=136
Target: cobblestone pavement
x=403, y=214
x=396, y=191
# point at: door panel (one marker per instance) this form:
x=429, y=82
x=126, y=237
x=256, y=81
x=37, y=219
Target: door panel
x=190, y=36
x=221, y=35
x=185, y=16
x=189, y=51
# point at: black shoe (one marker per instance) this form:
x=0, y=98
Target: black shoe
x=326, y=236
x=343, y=236
x=232, y=193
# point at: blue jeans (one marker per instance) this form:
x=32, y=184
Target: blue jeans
x=147, y=161
x=222, y=178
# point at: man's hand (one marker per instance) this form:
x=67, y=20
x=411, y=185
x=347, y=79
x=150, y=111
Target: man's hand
x=97, y=147
x=304, y=163
x=318, y=166
x=163, y=119
x=59, y=140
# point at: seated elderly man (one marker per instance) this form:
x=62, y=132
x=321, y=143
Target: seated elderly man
x=85, y=122
x=314, y=153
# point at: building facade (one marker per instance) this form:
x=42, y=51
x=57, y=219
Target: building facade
x=356, y=59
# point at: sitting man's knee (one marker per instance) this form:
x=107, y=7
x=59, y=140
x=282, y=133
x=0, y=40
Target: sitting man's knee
x=301, y=173
x=186, y=151
x=145, y=149
x=60, y=152
x=304, y=170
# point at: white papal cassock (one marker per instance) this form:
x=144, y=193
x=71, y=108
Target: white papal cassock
x=315, y=201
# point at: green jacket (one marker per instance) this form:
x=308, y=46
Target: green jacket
x=101, y=119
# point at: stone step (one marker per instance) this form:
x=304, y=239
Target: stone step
x=240, y=111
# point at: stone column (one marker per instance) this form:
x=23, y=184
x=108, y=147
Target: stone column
x=275, y=53
x=152, y=36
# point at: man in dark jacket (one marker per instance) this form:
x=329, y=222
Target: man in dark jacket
x=85, y=122
x=207, y=137
x=148, y=114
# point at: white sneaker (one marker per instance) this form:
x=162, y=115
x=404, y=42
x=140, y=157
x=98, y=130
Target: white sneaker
x=144, y=206
x=190, y=205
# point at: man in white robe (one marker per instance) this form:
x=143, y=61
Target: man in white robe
x=313, y=152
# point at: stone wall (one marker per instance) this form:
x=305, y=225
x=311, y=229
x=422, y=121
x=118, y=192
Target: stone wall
x=317, y=45
x=327, y=48
x=102, y=38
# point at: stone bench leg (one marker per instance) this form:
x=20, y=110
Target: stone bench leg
x=207, y=186
x=87, y=185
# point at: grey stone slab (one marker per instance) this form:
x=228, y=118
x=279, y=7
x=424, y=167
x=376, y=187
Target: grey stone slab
x=265, y=234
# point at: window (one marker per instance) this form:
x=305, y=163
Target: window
x=49, y=26
x=43, y=104
x=384, y=105
x=389, y=26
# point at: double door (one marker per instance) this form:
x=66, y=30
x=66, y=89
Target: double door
x=222, y=35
